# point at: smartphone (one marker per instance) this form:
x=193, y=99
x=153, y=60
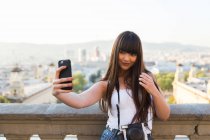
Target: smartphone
x=66, y=72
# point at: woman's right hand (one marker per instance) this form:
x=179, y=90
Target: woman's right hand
x=58, y=83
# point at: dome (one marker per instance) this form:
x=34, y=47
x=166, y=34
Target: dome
x=16, y=69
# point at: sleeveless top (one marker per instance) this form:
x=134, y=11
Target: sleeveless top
x=127, y=111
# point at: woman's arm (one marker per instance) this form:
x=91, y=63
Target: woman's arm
x=84, y=99
x=161, y=107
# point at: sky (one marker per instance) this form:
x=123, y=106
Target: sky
x=75, y=21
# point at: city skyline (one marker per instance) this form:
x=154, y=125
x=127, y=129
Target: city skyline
x=64, y=22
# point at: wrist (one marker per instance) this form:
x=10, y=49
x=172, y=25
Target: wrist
x=156, y=93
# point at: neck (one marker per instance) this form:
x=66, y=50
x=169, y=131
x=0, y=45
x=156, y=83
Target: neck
x=122, y=73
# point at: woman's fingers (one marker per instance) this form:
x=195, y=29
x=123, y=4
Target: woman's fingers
x=59, y=86
x=146, y=76
x=62, y=80
x=143, y=79
x=146, y=81
x=142, y=84
x=58, y=91
x=58, y=71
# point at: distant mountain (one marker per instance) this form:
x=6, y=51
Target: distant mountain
x=106, y=46
x=174, y=47
x=46, y=53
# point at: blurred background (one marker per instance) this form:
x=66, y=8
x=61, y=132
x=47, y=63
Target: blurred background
x=34, y=35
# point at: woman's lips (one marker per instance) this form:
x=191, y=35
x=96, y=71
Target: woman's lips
x=126, y=64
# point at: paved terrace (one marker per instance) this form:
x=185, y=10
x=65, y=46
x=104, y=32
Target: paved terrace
x=54, y=121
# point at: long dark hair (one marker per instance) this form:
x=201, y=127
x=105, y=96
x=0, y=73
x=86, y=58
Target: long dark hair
x=128, y=42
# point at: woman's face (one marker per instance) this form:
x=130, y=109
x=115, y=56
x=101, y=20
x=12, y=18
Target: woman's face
x=126, y=60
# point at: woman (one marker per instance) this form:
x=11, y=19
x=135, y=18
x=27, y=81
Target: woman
x=128, y=91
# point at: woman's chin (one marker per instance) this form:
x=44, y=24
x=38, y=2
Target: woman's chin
x=125, y=68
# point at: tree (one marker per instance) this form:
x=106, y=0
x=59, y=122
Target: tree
x=95, y=77
x=186, y=75
x=92, y=78
x=200, y=74
x=171, y=100
x=4, y=100
x=79, y=82
x=165, y=80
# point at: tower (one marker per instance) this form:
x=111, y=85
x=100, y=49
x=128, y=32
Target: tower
x=179, y=75
x=208, y=88
x=16, y=85
x=82, y=55
x=192, y=72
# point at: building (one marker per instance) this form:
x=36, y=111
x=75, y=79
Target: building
x=194, y=90
x=16, y=88
x=82, y=55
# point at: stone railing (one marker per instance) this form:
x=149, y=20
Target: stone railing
x=55, y=121
x=185, y=93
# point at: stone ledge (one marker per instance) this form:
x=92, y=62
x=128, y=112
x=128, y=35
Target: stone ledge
x=56, y=111
x=59, y=119
x=49, y=111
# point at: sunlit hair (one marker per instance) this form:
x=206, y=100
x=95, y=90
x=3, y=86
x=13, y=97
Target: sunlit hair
x=128, y=42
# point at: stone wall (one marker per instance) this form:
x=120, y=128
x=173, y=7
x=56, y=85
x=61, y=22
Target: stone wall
x=55, y=121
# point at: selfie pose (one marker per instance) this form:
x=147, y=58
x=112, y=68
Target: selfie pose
x=128, y=92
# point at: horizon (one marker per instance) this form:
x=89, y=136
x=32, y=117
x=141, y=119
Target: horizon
x=94, y=41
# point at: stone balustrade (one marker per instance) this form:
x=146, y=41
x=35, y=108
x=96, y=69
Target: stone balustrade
x=55, y=121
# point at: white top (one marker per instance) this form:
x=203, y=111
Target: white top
x=127, y=110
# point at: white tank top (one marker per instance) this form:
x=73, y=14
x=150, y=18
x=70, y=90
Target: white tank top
x=127, y=110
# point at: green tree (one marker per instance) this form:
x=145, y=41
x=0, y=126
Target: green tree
x=171, y=100
x=186, y=75
x=95, y=77
x=200, y=74
x=165, y=80
x=79, y=82
x=4, y=100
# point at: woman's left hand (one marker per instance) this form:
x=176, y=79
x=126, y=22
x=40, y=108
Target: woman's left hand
x=162, y=110
x=147, y=82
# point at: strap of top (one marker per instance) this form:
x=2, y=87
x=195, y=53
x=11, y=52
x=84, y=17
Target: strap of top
x=117, y=105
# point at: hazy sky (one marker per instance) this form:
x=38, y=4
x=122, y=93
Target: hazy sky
x=71, y=21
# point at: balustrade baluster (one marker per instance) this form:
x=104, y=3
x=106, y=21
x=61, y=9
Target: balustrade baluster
x=163, y=137
x=52, y=137
x=88, y=137
x=17, y=137
x=197, y=137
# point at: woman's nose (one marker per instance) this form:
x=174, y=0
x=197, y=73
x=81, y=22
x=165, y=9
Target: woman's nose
x=126, y=57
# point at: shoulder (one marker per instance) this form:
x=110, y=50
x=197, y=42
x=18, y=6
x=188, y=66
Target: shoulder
x=102, y=85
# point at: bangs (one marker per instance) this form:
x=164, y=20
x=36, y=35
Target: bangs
x=129, y=44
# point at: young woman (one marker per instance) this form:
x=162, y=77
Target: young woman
x=128, y=92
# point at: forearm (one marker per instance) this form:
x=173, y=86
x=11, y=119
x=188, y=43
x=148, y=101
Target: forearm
x=71, y=99
x=161, y=107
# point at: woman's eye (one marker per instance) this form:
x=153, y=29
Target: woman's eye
x=123, y=52
x=133, y=54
